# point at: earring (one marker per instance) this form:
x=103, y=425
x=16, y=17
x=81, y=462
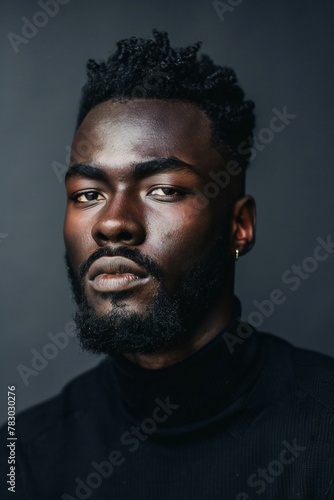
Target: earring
x=236, y=254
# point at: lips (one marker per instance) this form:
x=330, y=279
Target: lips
x=114, y=274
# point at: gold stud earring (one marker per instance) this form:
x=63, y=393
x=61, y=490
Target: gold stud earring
x=236, y=254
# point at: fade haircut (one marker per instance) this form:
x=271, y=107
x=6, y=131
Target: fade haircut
x=152, y=69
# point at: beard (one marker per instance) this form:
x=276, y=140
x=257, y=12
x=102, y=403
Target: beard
x=172, y=316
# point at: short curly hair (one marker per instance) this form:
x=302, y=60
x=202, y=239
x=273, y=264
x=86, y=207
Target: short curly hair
x=146, y=68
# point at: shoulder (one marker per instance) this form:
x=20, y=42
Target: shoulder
x=309, y=373
x=51, y=432
x=73, y=399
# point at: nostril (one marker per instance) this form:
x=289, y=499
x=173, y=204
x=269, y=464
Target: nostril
x=117, y=229
x=125, y=236
x=101, y=236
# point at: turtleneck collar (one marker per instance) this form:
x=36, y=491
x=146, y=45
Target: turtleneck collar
x=202, y=388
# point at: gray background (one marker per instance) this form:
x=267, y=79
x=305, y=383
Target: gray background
x=282, y=52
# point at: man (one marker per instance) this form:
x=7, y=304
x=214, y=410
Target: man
x=190, y=402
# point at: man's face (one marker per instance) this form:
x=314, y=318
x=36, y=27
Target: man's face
x=137, y=238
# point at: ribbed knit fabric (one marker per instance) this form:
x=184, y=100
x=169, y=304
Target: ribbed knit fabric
x=248, y=416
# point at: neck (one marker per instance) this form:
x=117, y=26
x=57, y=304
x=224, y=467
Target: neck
x=214, y=322
x=200, y=388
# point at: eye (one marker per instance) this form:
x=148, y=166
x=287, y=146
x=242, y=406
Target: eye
x=87, y=197
x=167, y=193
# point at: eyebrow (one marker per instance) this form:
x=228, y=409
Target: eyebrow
x=159, y=165
x=82, y=170
x=141, y=170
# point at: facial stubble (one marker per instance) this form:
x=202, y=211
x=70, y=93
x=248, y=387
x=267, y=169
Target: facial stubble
x=169, y=320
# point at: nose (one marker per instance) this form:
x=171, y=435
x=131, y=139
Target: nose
x=120, y=221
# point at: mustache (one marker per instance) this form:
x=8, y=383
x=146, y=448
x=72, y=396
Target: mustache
x=134, y=254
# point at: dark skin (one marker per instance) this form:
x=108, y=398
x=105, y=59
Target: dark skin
x=156, y=211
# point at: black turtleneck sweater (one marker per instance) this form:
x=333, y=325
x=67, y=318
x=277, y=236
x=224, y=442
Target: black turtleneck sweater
x=248, y=416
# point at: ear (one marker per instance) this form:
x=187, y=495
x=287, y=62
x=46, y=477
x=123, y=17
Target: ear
x=243, y=225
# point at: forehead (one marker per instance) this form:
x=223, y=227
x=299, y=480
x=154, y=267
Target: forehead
x=122, y=131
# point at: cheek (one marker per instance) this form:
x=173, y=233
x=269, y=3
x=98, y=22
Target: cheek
x=78, y=240
x=181, y=240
